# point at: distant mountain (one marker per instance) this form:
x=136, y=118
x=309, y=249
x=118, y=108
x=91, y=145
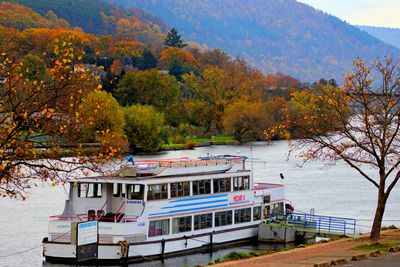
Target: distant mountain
x=388, y=35
x=274, y=35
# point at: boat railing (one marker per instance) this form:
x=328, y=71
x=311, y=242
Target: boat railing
x=118, y=214
x=83, y=218
x=262, y=186
x=317, y=223
x=184, y=163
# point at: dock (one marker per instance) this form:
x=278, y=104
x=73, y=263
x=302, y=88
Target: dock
x=303, y=228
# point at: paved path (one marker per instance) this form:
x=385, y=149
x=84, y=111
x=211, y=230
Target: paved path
x=326, y=252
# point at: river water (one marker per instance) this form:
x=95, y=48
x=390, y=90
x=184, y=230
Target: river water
x=336, y=191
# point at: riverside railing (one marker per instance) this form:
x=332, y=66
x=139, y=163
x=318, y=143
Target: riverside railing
x=317, y=223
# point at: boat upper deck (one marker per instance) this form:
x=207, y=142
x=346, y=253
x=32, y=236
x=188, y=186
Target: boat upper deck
x=157, y=179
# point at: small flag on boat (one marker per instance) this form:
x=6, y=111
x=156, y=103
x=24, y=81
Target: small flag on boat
x=282, y=177
x=130, y=159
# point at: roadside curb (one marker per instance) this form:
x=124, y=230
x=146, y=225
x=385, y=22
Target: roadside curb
x=376, y=253
x=322, y=264
x=339, y=262
x=359, y=257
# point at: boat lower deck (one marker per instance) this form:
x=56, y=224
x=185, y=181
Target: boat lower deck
x=150, y=250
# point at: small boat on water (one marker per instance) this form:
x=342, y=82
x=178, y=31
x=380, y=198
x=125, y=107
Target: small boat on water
x=160, y=208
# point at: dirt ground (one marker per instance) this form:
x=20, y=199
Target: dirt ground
x=316, y=254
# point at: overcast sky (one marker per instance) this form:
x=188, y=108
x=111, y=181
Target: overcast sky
x=384, y=13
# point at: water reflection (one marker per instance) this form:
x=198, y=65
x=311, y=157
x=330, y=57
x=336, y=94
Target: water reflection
x=200, y=258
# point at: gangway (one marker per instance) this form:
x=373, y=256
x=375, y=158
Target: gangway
x=319, y=224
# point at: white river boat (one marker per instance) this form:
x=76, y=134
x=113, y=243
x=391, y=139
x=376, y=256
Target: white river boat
x=154, y=209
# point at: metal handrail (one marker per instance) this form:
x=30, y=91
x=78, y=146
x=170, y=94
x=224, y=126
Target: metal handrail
x=118, y=212
x=319, y=223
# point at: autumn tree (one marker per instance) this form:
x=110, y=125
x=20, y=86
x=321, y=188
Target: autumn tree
x=173, y=39
x=144, y=126
x=358, y=124
x=219, y=87
x=102, y=120
x=39, y=116
x=170, y=55
x=245, y=119
x=149, y=87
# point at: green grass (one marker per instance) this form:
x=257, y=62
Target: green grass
x=219, y=139
x=376, y=246
x=238, y=256
x=172, y=145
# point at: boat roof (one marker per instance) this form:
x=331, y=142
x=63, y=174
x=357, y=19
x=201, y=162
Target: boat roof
x=155, y=179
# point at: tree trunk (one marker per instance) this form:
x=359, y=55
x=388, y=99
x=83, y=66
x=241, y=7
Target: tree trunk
x=380, y=210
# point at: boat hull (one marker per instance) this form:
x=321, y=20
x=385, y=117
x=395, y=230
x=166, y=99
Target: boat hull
x=142, y=251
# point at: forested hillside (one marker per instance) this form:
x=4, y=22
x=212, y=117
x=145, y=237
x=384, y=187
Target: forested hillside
x=101, y=18
x=137, y=85
x=274, y=35
x=388, y=35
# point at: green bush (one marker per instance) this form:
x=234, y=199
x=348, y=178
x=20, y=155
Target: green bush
x=144, y=127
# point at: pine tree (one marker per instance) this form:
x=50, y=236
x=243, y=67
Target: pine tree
x=173, y=39
x=176, y=69
x=148, y=60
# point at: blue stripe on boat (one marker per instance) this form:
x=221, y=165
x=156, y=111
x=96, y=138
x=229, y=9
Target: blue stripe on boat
x=186, y=210
x=195, y=204
x=196, y=198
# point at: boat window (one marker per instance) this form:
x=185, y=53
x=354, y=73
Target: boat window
x=201, y=187
x=89, y=190
x=159, y=227
x=243, y=215
x=135, y=191
x=222, y=185
x=117, y=188
x=123, y=191
x=241, y=183
x=202, y=221
x=157, y=191
x=223, y=218
x=267, y=199
x=181, y=189
x=256, y=213
x=182, y=224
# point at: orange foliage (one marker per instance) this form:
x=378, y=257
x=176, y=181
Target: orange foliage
x=21, y=17
x=129, y=28
x=170, y=54
x=130, y=48
x=38, y=41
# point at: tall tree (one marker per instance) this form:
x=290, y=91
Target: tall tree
x=150, y=87
x=358, y=124
x=144, y=126
x=246, y=119
x=102, y=118
x=39, y=116
x=173, y=39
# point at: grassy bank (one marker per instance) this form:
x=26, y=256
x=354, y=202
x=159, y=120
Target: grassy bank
x=191, y=143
